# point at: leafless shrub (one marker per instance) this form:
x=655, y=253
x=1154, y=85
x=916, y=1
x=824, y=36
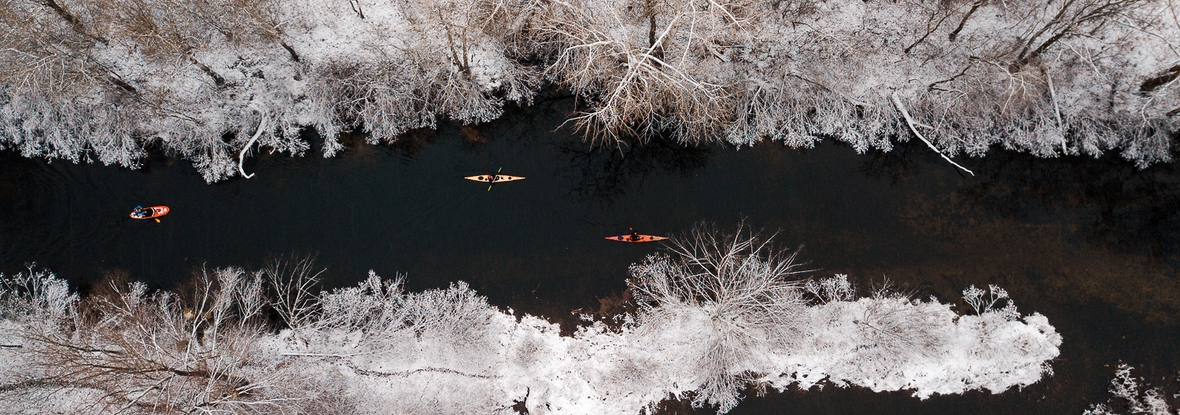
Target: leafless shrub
x=292, y=281
x=741, y=286
x=37, y=295
x=448, y=64
x=371, y=307
x=396, y=95
x=1131, y=398
x=831, y=289
x=984, y=301
x=169, y=353
x=894, y=329
x=382, y=314
x=456, y=316
x=379, y=311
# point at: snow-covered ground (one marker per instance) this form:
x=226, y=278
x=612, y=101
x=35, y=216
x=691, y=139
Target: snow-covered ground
x=376, y=349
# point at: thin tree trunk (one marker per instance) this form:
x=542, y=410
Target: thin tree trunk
x=217, y=79
x=910, y=122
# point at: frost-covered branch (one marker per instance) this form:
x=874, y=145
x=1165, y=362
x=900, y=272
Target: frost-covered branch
x=1131, y=398
x=246, y=148
x=913, y=129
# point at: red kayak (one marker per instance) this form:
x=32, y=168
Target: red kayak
x=636, y=238
x=150, y=212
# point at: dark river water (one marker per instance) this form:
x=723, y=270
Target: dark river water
x=1092, y=244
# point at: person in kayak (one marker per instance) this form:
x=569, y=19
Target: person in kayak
x=634, y=235
x=141, y=211
x=492, y=178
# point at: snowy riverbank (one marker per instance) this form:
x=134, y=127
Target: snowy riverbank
x=105, y=80
x=715, y=317
x=501, y=360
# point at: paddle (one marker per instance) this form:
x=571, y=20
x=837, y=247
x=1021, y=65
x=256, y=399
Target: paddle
x=492, y=178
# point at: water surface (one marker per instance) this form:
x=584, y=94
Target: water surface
x=1092, y=244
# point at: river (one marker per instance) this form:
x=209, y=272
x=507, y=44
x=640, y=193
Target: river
x=1093, y=244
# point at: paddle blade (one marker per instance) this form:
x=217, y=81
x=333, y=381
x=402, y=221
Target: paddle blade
x=157, y=221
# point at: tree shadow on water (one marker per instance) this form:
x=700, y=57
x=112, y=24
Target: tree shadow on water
x=1124, y=208
x=604, y=174
x=408, y=145
x=902, y=162
x=1111, y=202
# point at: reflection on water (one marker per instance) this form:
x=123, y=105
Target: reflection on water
x=1092, y=244
x=603, y=174
x=1121, y=207
x=1128, y=210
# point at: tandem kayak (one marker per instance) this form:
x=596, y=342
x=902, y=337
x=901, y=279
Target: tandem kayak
x=150, y=212
x=636, y=238
x=498, y=178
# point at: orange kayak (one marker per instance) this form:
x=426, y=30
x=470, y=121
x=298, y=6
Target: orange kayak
x=642, y=238
x=152, y=212
x=499, y=178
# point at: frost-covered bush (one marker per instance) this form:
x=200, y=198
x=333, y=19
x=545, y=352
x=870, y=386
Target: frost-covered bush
x=826, y=290
x=984, y=301
x=734, y=295
x=37, y=295
x=1131, y=399
x=390, y=341
x=727, y=312
x=371, y=307
x=166, y=352
x=377, y=311
x=893, y=330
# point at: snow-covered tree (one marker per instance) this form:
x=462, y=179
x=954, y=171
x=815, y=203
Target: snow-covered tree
x=735, y=290
x=106, y=80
